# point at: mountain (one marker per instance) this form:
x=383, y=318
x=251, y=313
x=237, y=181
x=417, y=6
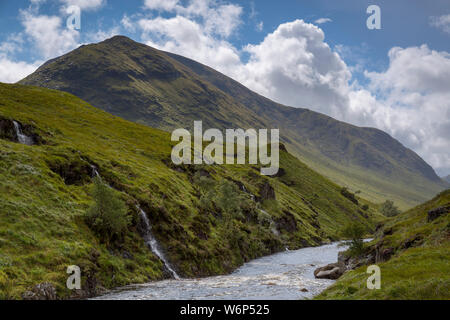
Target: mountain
x=447, y=178
x=167, y=91
x=413, y=253
x=45, y=192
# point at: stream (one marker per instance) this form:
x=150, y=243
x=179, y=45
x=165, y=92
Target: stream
x=286, y=275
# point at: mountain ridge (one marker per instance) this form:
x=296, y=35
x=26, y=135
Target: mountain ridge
x=167, y=91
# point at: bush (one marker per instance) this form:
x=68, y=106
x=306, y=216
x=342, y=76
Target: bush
x=108, y=214
x=389, y=209
x=365, y=207
x=355, y=233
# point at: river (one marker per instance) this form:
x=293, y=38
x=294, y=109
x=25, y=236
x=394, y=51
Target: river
x=286, y=275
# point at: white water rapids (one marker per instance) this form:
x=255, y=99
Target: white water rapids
x=286, y=275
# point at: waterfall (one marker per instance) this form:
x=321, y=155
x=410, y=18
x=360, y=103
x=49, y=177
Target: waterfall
x=252, y=196
x=94, y=172
x=150, y=240
x=23, y=139
x=152, y=243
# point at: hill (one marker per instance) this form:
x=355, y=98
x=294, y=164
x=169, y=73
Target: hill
x=207, y=219
x=167, y=91
x=413, y=253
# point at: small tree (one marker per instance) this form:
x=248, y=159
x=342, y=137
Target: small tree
x=228, y=199
x=108, y=214
x=389, y=209
x=355, y=233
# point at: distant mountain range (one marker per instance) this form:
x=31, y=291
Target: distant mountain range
x=168, y=91
x=447, y=178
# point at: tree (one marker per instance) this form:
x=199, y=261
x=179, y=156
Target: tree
x=355, y=233
x=107, y=216
x=389, y=209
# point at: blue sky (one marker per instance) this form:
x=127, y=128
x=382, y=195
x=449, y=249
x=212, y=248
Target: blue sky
x=316, y=54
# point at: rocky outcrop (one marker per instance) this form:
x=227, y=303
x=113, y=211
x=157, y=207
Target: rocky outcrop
x=266, y=192
x=42, y=291
x=331, y=271
x=436, y=213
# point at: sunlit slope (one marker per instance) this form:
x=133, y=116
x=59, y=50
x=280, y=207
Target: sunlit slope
x=420, y=264
x=45, y=190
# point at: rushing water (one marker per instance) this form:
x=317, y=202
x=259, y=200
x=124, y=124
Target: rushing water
x=24, y=139
x=283, y=276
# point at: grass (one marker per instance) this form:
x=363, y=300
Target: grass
x=419, y=268
x=46, y=190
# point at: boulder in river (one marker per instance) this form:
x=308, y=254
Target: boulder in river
x=331, y=271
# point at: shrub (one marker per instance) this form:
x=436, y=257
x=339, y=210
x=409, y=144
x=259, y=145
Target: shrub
x=365, y=207
x=228, y=199
x=389, y=209
x=355, y=233
x=107, y=216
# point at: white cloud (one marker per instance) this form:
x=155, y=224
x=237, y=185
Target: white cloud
x=84, y=4
x=215, y=18
x=441, y=22
x=413, y=102
x=293, y=65
x=48, y=34
x=13, y=71
x=322, y=20
x=166, y=5
x=260, y=26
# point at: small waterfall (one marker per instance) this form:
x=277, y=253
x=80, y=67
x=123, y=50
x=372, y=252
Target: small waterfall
x=152, y=243
x=94, y=172
x=150, y=240
x=252, y=196
x=23, y=139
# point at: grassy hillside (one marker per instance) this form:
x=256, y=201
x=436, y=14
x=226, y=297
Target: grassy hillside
x=419, y=267
x=46, y=189
x=167, y=91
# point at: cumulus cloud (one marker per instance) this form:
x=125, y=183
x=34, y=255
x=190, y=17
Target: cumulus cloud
x=294, y=65
x=13, y=71
x=48, y=34
x=441, y=22
x=412, y=104
x=322, y=20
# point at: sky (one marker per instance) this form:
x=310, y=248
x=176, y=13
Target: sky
x=314, y=54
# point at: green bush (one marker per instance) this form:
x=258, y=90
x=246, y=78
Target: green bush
x=389, y=209
x=355, y=233
x=107, y=216
x=365, y=207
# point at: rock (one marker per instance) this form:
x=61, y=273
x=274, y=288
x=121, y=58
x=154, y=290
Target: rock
x=436, y=213
x=331, y=271
x=286, y=222
x=266, y=192
x=412, y=242
x=304, y=290
x=42, y=291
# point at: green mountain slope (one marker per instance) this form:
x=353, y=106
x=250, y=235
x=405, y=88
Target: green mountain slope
x=167, y=91
x=46, y=189
x=414, y=261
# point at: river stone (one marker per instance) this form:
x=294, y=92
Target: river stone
x=331, y=271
